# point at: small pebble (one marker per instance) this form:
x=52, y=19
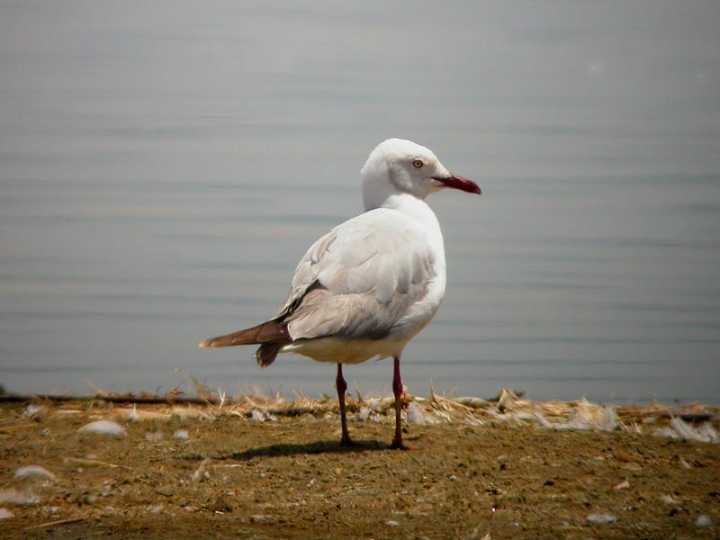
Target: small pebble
x=166, y=490
x=13, y=496
x=155, y=508
x=155, y=436
x=34, y=411
x=181, y=434
x=703, y=521
x=34, y=471
x=104, y=427
x=201, y=472
x=392, y=523
x=257, y=415
x=6, y=514
x=622, y=485
x=601, y=519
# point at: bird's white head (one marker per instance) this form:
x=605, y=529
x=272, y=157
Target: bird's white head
x=402, y=166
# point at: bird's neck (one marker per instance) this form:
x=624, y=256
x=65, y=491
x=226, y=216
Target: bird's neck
x=421, y=212
x=412, y=207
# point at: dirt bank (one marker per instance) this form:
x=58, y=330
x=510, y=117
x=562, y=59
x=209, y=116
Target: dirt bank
x=264, y=469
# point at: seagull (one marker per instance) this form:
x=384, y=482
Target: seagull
x=371, y=284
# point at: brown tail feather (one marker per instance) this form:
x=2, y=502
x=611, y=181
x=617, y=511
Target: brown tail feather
x=267, y=332
x=267, y=352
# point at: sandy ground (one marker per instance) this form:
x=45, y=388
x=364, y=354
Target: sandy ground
x=274, y=470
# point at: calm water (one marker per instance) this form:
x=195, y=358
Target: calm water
x=164, y=165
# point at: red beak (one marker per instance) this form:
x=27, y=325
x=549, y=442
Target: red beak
x=458, y=182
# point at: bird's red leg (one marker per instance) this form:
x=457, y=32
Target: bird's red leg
x=398, y=391
x=341, y=388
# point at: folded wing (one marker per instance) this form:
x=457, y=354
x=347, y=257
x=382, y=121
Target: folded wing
x=360, y=280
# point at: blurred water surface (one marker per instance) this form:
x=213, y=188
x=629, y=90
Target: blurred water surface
x=164, y=165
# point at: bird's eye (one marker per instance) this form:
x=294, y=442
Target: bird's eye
x=417, y=163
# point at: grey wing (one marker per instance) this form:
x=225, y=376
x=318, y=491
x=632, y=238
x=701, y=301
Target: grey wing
x=359, y=280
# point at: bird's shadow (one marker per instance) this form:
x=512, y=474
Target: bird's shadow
x=295, y=449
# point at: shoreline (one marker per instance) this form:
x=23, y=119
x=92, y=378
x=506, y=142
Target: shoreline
x=506, y=400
